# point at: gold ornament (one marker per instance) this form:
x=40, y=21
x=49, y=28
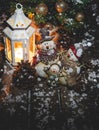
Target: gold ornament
x=79, y=17
x=30, y=15
x=41, y=9
x=61, y=6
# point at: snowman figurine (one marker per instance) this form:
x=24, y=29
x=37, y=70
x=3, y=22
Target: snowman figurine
x=53, y=74
x=46, y=57
x=48, y=46
x=70, y=66
x=74, y=53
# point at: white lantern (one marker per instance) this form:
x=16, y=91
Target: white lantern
x=19, y=37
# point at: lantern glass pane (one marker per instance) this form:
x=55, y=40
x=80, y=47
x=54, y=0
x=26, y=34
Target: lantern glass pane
x=31, y=44
x=8, y=49
x=31, y=47
x=18, y=50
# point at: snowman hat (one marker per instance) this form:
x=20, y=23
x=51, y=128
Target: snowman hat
x=48, y=38
x=77, y=52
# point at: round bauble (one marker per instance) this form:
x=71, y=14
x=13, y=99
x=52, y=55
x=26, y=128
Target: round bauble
x=79, y=17
x=61, y=6
x=41, y=9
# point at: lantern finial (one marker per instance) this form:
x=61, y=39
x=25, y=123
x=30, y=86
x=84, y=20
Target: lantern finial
x=19, y=6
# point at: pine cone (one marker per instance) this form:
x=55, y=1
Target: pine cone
x=24, y=76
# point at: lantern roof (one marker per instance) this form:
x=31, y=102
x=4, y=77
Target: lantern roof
x=18, y=20
x=19, y=34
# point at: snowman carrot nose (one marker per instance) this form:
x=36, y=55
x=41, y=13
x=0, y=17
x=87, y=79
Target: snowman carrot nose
x=47, y=47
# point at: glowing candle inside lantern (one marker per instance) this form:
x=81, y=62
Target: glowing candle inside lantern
x=18, y=51
x=18, y=54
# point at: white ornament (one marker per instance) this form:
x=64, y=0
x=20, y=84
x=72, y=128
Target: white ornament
x=77, y=45
x=89, y=44
x=79, y=52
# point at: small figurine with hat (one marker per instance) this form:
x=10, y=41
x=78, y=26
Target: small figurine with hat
x=47, y=56
x=46, y=48
x=74, y=54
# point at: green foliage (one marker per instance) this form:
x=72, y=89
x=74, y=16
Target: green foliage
x=40, y=19
x=74, y=6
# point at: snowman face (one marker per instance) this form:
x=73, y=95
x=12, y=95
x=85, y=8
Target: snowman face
x=48, y=45
x=71, y=55
x=54, y=69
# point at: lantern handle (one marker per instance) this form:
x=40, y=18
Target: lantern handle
x=19, y=6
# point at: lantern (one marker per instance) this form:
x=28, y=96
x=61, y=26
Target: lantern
x=19, y=37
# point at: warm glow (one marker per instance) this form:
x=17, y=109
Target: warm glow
x=37, y=34
x=32, y=47
x=18, y=49
x=18, y=54
x=8, y=49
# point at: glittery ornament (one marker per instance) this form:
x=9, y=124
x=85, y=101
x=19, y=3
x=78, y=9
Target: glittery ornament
x=41, y=9
x=61, y=6
x=79, y=17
